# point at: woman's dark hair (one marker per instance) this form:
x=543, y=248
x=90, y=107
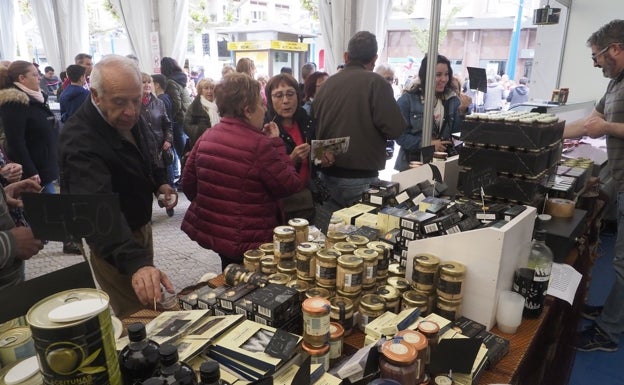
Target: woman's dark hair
x=235, y=92
x=13, y=72
x=309, y=87
x=169, y=66
x=422, y=71
x=274, y=82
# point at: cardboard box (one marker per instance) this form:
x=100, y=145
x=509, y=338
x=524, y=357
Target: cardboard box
x=490, y=256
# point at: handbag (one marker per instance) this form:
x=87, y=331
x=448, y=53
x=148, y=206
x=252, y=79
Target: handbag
x=299, y=205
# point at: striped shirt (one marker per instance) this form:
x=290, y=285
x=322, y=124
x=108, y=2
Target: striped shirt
x=611, y=105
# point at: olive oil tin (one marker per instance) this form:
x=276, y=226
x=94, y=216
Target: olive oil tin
x=16, y=344
x=24, y=372
x=73, y=335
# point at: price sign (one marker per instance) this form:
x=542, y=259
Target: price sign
x=62, y=217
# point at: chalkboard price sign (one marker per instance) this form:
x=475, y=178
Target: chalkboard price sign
x=63, y=217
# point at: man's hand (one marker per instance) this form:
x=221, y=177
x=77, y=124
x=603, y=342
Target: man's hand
x=168, y=192
x=166, y=145
x=146, y=284
x=27, y=244
x=440, y=145
x=14, y=190
x=12, y=172
x=595, y=126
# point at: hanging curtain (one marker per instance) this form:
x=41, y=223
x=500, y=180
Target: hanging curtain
x=62, y=41
x=136, y=16
x=8, y=43
x=173, y=20
x=342, y=19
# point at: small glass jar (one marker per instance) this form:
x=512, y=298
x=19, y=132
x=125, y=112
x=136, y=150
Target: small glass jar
x=398, y=361
x=316, y=321
x=451, y=280
x=279, y=278
x=342, y=312
x=369, y=256
x=267, y=248
x=399, y=283
x=345, y=248
x=318, y=355
x=447, y=308
x=414, y=299
x=349, y=273
x=284, y=242
x=383, y=259
x=334, y=237
x=251, y=259
x=306, y=259
x=391, y=297
x=233, y=274
x=268, y=265
x=300, y=286
x=425, y=270
x=371, y=307
x=287, y=266
x=326, y=266
x=317, y=292
x=302, y=229
x=354, y=297
x=431, y=331
x=331, y=289
x=336, y=333
x=358, y=240
x=419, y=342
x=256, y=278
x=396, y=270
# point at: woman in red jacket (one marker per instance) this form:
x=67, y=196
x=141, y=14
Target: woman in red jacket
x=236, y=174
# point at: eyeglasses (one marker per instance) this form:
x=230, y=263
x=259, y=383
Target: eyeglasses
x=280, y=95
x=594, y=56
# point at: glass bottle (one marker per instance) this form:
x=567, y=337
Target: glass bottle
x=532, y=281
x=210, y=374
x=139, y=359
x=171, y=369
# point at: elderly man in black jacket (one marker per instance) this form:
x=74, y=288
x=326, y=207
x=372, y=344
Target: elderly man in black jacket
x=102, y=150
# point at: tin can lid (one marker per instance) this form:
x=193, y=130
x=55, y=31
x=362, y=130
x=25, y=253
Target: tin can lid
x=399, y=351
x=22, y=371
x=94, y=301
x=15, y=337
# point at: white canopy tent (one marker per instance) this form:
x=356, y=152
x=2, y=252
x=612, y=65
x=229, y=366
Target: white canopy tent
x=7, y=36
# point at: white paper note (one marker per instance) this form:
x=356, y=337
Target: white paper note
x=564, y=282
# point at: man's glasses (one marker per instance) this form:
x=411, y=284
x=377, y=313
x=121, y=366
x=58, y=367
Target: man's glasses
x=594, y=56
x=280, y=95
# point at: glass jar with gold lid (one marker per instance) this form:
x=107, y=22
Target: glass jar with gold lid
x=391, y=297
x=279, y=278
x=396, y=270
x=334, y=237
x=267, y=248
x=349, y=273
x=317, y=292
x=326, y=266
x=425, y=270
x=358, y=240
x=302, y=229
x=268, y=265
x=369, y=256
x=342, y=312
x=399, y=283
x=383, y=259
x=414, y=299
x=371, y=307
x=306, y=259
x=287, y=266
x=300, y=286
x=345, y=247
x=251, y=259
x=451, y=280
x=284, y=242
x=447, y=308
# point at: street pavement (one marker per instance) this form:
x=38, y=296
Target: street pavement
x=183, y=260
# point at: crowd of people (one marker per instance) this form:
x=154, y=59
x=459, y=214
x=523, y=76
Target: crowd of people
x=239, y=148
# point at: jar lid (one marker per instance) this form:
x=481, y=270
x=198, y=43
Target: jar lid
x=350, y=261
x=366, y=254
x=284, y=230
x=396, y=269
x=267, y=247
x=315, y=350
x=298, y=222
x=388, y=293
x=399, y=283
x=428, y=327
x=336, y=235
x=414, y=338
x=286, y=265
x=399, y=352
x=373, y=302
x=268, y=260
x=415, y=298
x=448, y=302
x=335, y=330
x=317, y=292
x=279, y=278
x=453, y=268
x=308, y=247
x=316, y=305
x=379, y=245
x=298, y=285
x=341, y=302
x=328, y=254
x=358, y=240
x=428, y=260
x=254, y=254
x=345, y=247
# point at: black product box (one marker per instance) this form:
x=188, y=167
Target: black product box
x=409, y=235
x=527, y=163
x=433, y=205
x=369, y=232
x=467, y=327
x=277, y=302
x=227, y=299
x=415, y=220
x=513, y=212
x=528, y=136
x=562, y=233
x=207, y=296
x=445, y=222
x=218, y=311
x=522, y=190
x=293, y=324
x=378, y=198
x=384, y=185
x=391, y=236
x=426, y=188
x=497, y=347
x=470, y=223
x=245, y=307
x=492, y=212
x=468, y=209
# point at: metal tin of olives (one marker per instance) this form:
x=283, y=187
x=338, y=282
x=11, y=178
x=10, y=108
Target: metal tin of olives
x=73, y=335
x=16, y=344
